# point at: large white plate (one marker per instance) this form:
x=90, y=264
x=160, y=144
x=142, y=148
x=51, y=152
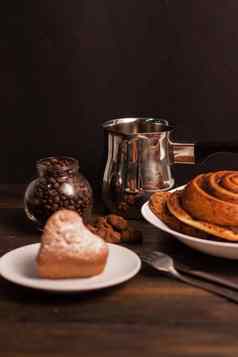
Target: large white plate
x=18, y=266
x=218, y=249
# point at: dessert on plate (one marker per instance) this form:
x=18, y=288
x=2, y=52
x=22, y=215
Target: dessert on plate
x=69, y=249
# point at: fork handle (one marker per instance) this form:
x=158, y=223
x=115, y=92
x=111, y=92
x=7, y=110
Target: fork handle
x=209, y=277
x=219, y=290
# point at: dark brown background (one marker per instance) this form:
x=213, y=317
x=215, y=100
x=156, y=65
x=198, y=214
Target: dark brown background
x=67, y=66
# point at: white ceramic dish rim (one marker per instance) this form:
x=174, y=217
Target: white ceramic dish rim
x=98, y=285
x=181, y=235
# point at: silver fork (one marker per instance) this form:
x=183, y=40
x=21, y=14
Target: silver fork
x=164, y=263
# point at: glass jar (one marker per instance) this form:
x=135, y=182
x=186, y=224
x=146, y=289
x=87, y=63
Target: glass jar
x=59, y=185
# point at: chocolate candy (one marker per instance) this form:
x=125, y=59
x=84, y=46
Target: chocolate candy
x=59, y=185
x=115, y=229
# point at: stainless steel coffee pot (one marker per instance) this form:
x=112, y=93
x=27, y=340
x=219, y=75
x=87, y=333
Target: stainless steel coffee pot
x=140, y=154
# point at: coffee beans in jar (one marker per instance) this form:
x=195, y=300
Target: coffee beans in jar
x=59, y=185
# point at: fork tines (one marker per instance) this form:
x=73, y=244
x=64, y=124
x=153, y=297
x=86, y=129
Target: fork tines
x=147, y=259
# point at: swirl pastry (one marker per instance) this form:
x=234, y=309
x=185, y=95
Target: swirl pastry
x=208, y=204
x=159, y=205
x=176, y=208
x=213, y=198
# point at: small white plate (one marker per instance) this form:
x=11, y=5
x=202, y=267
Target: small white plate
x=18, y=266
x=215, y=248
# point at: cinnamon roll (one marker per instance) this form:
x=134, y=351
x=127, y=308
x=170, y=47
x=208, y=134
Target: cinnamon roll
x=208, y=206
x=213, y=198
x=159, y=205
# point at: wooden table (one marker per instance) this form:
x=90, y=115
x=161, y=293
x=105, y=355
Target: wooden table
x=149, y=315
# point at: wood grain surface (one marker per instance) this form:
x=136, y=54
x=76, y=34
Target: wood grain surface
x=150, y=315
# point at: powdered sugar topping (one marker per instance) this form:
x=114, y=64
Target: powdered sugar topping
x=75, y=237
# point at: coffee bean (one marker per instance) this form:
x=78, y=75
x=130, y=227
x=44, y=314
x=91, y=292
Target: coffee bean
x=61, y=179
x=56, y=198
x=52, y=180
x=56, y=175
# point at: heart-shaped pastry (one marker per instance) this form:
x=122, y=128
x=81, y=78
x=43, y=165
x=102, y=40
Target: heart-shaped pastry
x=68, y=249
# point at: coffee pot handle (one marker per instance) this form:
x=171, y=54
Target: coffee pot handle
x=197, y=152
x=204, y=149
